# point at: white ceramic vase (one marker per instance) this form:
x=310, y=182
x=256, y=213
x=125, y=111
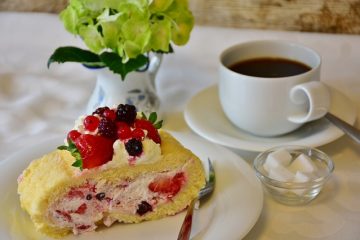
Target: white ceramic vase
x=137, y=89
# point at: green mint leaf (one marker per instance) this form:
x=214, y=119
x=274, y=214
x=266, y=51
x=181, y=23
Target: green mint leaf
x=74, y=152
x=159, y=124
x=114, y=62
x=63, y=147
x=153, y=117
x=79, y=164
x=74, y=54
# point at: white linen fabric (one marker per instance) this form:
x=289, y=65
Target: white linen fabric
x=37, y=103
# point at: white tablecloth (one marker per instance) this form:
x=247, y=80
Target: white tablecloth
x=37, y=103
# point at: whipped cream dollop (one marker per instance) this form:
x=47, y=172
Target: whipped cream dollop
x=151, y=153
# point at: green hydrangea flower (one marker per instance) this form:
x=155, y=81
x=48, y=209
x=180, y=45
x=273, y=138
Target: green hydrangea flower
x=128, y=28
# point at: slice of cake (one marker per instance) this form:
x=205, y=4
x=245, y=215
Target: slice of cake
x=115, y=166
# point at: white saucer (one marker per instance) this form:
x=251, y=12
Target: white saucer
x=204, y=116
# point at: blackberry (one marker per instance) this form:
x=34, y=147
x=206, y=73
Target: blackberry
x=126, y=113
x=107, y=128
x=134, y=147
x=100, y=110
x=100, y=196
x=88, y=197
x=143, y=208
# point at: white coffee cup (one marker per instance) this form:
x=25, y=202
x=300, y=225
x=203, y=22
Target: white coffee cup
x=272, y=106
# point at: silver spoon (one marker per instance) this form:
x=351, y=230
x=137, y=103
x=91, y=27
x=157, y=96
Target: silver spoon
x=351, y=131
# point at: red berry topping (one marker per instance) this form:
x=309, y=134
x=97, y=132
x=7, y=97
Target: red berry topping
x=100, y=110
x=126, y=113
x=138, y=133
x=73, y=135
x=75, y=193
x=81, y=209
x=107, y=128
x=168, y=185
x=91, y=123
x=123, y=131
x=152, y=132
x=110, y=114
x=66, y=216
x=94, y=150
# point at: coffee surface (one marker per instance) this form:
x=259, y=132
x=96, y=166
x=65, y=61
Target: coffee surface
x=268, y=67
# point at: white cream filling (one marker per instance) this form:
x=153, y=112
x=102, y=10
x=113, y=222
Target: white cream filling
x=123, y=197
x=151, y=153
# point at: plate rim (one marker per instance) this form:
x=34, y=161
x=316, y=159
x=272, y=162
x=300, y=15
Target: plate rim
x=251, y=145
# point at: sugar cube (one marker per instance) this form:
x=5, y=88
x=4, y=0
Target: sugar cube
x=280, y=173
x=300, y=177
x=276, y=158
x=303, y=164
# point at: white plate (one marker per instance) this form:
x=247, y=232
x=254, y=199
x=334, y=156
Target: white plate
x=204, y=116
x=230, y=213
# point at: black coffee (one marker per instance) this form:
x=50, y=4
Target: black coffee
x=270, y=67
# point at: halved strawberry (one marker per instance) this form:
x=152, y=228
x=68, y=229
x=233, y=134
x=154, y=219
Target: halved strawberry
x=81, y=209
x=75, y=193
x=152, y=132
x=94, y=150
x=138, y=133
x=73, y=135
x=168, y=185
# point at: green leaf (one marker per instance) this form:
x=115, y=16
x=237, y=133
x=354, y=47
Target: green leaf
x=114, y=62
x=63, y=147
x=159, y=124
x=79, y=164
x=74, y=152
x=74, y=54
x=153, y=117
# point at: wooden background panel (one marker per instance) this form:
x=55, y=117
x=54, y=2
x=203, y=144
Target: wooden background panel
x=335, y=16
x=53, y=6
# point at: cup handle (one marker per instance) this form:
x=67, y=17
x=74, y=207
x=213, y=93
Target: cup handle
x=315, y=95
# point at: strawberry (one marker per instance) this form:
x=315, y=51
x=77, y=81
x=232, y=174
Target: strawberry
x=94, y=150
x=73, y=135
x=138, y=133
x=123, y=130
x=65, y=215
x=168, y=185
x=152, y=132
x=81, y=209
x=74, y=193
